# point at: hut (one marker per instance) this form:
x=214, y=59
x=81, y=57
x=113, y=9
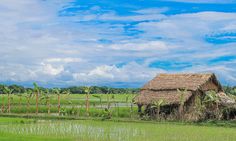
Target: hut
x=181, y=95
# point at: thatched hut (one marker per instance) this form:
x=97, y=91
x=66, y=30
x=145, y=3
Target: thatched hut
x=184, y=92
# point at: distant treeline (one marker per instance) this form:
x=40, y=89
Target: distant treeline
x=96, y=89
x=76, y=89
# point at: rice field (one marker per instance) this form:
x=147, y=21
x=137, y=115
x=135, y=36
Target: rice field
x=72, y=105
x=73, y=99
x=20, y=129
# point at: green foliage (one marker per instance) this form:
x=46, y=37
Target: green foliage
x=211, y=97
x=182, y=94
x=230, y=90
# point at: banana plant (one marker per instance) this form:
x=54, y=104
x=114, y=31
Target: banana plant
x=127, y=99
x=8, y=91
x=157, y=105
x=20, y=100
x=28, y=95
x=99, y=97
x=182, y=101
x=37, y=93
x=47, y=98
x=87, y=90
x=212, y=98
x=3, y=103
x=57, y=91
x=116, y=104
x=108, y=99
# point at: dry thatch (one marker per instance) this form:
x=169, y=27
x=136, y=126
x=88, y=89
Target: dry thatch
x=164, y=87
x=179, y=81
x=226, y=100
x=168, y=97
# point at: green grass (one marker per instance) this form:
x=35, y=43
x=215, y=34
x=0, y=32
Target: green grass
x=13, y=129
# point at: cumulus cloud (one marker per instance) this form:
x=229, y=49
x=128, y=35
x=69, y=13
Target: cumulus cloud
x=103, y=47
x=129, y=73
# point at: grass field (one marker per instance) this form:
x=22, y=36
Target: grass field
x=20, y=129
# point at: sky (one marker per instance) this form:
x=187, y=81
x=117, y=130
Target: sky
x=117, y=43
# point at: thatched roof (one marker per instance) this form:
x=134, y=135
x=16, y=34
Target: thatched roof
x=164, y=87
x=169, y=97
x=179, y=81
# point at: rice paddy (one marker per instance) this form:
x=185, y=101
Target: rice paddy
x=95, y=128
x=15, y=129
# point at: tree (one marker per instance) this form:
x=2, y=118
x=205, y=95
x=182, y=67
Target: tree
x=108, y=98
x=20, y=100
x=57, y=91
x=28, y=95
x=8, y=91
x=182, y=101
x=37, y=92
x=210, y=100
x=47, y=97
x=157, y=105
x=3, y=103
x=87, y=91
x=99, y=97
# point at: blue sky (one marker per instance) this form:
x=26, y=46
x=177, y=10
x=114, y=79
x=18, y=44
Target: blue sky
x=118, y=43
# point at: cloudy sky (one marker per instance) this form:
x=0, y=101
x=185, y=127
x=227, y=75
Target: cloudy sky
x=119, y=43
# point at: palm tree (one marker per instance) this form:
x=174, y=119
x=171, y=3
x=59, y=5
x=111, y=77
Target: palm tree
x=57, y=91
x=8, y=91
x=87, y=91
x=37, y=92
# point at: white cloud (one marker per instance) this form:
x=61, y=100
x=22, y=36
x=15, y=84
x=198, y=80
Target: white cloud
x=152, y=10
x=49, y=69
x=63, y=60
x=143, y=46
x=129, y=73
x=42, y=46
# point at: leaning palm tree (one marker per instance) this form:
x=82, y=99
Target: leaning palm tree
x=36, y=92
x=57, y=91
x=87, y=90
x=8, y=91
